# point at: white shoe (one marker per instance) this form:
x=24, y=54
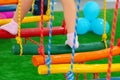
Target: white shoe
x=69, y=41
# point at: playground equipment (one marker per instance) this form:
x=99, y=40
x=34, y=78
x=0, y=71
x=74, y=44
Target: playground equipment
x=27, y=19
x=60, y=63
x=6, y=14
x=78, y=68
x=79, y=57
x=7, y=8
x=31, y=32
x=29, y=49
x=2, y=2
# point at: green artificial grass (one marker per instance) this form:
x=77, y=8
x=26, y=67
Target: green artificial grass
x=13, y=67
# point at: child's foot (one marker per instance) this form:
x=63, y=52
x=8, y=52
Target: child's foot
x=11, y=27
x=70, y=38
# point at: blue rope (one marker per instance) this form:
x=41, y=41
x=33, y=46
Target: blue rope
x=70, y=74
x=48, y=60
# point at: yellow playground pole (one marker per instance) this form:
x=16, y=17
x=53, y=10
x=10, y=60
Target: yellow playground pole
x=78, y=68
x=27, y=19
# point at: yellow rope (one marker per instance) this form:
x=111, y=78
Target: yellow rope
x=104, y=36
x=48, y=8
x=33, y=3
x=18, y=38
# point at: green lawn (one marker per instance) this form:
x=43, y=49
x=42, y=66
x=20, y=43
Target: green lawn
x=13, y=67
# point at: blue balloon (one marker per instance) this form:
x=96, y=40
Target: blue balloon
x=91, y=10
x=83, y=26
x=97, y=26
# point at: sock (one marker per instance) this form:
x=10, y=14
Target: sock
x=11, y=27
x=70, y=38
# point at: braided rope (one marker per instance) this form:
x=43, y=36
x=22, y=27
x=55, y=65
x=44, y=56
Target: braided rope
x=65, y=76
x=112, y=40
x=18, y=38
x=96, y=76
x=104, y=36
x=48, y=8
x=48, y=60
x=33, y=5
x=70, y=74
x=33, y=41
x=42, y=22
x=77, y=76
x=41, y=47
x=104, y=16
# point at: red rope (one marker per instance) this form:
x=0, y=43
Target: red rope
x=112, y=40
x=96, y=76
x=77, y=76
x=25, y=40
x=65, y=76
x=31, y=40
x=41, y=47
x=85, y=75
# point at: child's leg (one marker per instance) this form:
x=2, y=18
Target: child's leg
x=70, y=16
x=26, y=4
x=12, y=27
